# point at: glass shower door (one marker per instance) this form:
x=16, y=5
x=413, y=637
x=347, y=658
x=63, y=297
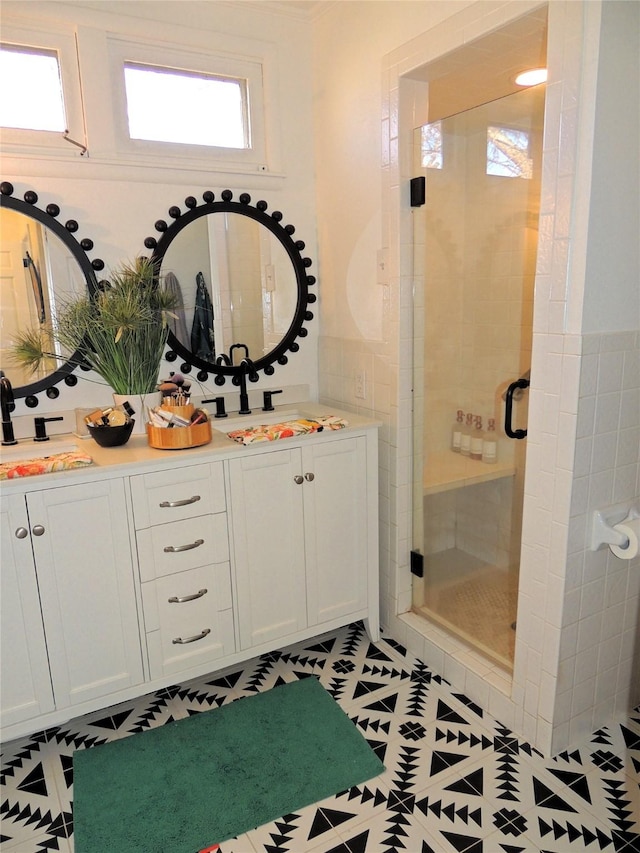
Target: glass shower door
x=475, y=257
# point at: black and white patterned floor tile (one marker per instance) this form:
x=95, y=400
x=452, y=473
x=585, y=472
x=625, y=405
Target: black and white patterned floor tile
x=456, y=781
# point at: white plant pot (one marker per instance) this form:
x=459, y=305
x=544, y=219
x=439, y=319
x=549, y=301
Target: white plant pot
x=139, y=403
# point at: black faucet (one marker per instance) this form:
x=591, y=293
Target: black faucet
x=41, y=427
x=247, y=368
x=7, y=404
x=268, y=400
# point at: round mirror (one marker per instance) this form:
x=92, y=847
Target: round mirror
x=241, y=279
x=43, y=266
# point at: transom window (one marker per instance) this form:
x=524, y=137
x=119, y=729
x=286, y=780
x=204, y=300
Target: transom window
x=171, y=105
x=33, y=99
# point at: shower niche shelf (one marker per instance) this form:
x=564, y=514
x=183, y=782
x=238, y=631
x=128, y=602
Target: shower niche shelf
x=447, y=470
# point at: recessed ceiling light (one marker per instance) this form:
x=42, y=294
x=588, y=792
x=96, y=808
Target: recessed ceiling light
x=532, y=77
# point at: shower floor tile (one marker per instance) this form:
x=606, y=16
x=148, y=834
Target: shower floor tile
x=473, y=600
x=456, y=780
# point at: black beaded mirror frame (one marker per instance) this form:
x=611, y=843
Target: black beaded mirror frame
x=294, y=249
x=48, y=218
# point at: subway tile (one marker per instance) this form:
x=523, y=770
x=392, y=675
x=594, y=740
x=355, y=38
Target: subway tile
x=592, y=598
x=582, y=699
x=610, y=371
x=628, y=446
x=631, y=370
x=607, y=415
x=610, y=652
x=589, y=632
x=589, y=374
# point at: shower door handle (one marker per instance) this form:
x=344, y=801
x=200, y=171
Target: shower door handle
x=508, y=409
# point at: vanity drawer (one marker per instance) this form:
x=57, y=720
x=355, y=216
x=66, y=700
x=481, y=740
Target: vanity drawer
x=179, y=546
x=184, y=617
x=191, y=632
x=176, y=494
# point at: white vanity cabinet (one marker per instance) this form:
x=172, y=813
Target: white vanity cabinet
x=183, y=554
x=78, y=537
x=149, y=567
x=301, y=545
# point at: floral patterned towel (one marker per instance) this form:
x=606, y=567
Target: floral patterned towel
x=31, y=467
x=287, y=429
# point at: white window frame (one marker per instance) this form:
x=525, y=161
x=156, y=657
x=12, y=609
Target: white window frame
x=24, y=141
x=123, y=50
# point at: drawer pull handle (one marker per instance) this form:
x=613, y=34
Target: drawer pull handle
x=185, y=502
x=195, y=638
x=179, y=599
x=174, y=549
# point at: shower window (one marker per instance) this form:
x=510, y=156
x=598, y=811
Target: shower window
x=508, y=153
x=431, y=145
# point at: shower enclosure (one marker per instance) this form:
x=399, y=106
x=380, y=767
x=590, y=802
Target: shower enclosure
x=475, y=259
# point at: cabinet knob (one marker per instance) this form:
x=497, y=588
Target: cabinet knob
x=298, y=479
x=22, y=533
x=309, y=477
x=37, y=530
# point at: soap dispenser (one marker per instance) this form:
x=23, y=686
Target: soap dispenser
x=465, y=436
x=456, y=431
x=490, y=443
x=477, y=436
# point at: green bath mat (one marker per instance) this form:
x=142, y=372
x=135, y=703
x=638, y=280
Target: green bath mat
x=187, y=785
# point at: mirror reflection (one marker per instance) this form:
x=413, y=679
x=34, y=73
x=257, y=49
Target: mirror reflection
x=242, y=279
x=38, y=273
x=236, y=283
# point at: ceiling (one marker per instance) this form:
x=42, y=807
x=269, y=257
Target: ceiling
x=307, y=9
x=484, y=70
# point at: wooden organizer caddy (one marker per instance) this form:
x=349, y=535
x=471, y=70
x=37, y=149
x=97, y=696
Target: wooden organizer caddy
x=179, y=438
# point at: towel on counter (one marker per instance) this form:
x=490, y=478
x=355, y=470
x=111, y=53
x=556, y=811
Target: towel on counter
x=31, y=467
x=287, y=429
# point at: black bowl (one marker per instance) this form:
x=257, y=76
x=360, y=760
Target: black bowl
x=111, y=436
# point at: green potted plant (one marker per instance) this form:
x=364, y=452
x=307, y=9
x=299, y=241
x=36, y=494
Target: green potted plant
x=120, y=331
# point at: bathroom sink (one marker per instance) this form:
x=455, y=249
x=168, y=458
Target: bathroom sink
x=30, y=449
x=256, y=418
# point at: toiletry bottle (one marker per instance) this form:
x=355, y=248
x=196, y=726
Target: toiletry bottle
x=477, y=436
x=456, y=432
x=465, y=436
x=490, y=443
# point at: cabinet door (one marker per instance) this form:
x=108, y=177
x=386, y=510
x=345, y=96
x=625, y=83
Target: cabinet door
x=25, y=683
x=335, y=523
x=85, y=573
x=268, y=544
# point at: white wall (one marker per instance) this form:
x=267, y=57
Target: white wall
x=117, y=202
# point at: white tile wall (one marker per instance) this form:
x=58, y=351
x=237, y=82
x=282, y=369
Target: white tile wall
x=598, y=677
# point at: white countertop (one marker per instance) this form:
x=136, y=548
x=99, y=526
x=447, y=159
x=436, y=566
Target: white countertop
x=136, y=457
